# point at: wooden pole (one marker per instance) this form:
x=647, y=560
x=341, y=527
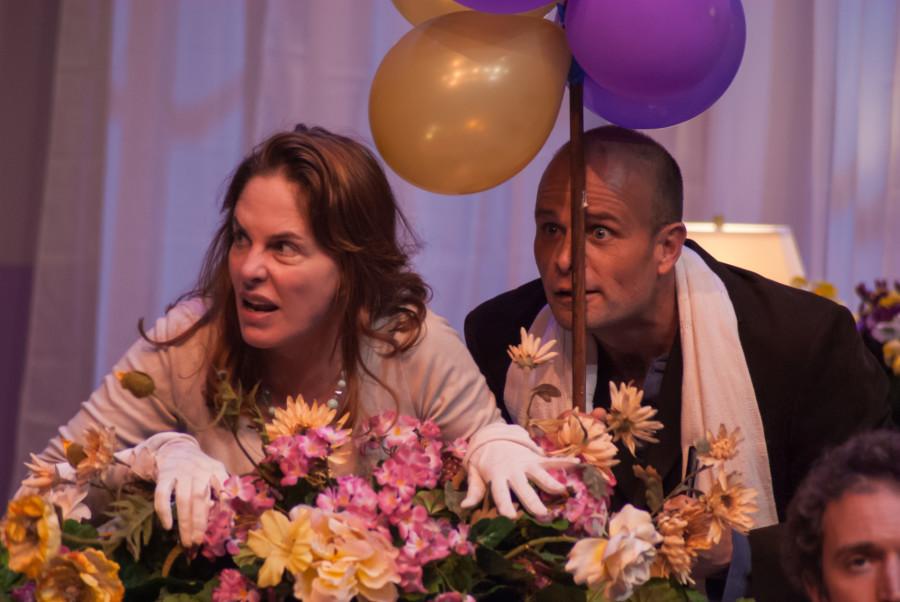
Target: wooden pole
x=578, y=204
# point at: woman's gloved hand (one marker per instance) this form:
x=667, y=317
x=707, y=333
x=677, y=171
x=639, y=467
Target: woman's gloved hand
x=506, y=457
x=178, y=465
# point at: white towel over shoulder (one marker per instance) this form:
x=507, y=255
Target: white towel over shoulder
x=715, y=388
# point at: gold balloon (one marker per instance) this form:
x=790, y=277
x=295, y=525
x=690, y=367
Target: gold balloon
x=417, y=11
x=464, y=101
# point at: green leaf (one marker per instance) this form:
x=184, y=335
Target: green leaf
x=453, y=498
x=595, y=482
x=204, y=595
x=489, y=532
x=245, y=556
x=558, y=591
x=500, y=568
x=557, y=524
x=653, y=484
x=596, y=595
x=132, y=522
x=8, y=577
x=432, y=500
x=661, y=590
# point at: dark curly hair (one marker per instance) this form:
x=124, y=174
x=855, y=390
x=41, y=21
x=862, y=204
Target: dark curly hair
x=355, y=218
x=853, y=466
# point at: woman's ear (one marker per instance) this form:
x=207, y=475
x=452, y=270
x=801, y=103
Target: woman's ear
x=669, y=242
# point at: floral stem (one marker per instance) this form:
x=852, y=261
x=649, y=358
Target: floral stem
x=537, y=543
x=83, y=541
x=173, y=555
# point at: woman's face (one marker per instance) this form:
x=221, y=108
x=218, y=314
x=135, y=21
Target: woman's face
x=284, y=283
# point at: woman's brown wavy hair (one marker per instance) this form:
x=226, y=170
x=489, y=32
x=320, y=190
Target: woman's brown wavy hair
x=355, y=219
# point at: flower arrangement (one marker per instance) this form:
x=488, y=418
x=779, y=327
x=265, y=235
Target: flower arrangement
x=879, y=321
x=302, y=526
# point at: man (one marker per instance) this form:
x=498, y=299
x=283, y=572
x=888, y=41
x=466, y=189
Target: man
x=844, y=523
x=709, y=343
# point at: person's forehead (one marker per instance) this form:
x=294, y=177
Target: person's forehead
x=608, y=179
x=867, y=513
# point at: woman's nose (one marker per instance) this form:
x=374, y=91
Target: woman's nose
x=253, y=268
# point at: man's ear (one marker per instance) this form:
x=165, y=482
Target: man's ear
x=669, y=241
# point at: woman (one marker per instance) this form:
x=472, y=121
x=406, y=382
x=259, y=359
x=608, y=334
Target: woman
x=305, y=290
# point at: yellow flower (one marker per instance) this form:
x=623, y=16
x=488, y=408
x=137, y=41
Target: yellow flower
x=529, y=352
x=825, y=289
x=674, y=557
x=97, y=453
x=349, y=560
x=891, y=299
x=731, y=506
x=298, y=415
x=140, y=384
x=31, y=534
x=891, y=352
x=628, y=421
x=697, y=521
x=283, y=544
x=42, y=475
x=85, y=575
x=576, y=433
x=722, y=447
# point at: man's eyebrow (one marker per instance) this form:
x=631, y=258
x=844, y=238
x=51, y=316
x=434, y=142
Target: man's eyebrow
x=538, y=212
x=863, y=547
x=603, y=216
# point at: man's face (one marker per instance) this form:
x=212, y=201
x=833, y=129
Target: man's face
x=621, y=252
x=861, y=546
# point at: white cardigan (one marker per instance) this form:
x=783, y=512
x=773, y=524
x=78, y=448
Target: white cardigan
x=435, y=379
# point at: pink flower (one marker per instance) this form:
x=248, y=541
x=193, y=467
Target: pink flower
x=458, y=447
x=312, y=446
x=241, y=488
x=218, y=539
x=403, y=432
x=430, y=430
x=332, y=436
x=234, y=587
x=459, y=540
x=390, y=503
x=454, y=597
x=294, y=464
x=378, y=425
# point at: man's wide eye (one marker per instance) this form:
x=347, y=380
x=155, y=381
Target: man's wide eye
x=599, y=232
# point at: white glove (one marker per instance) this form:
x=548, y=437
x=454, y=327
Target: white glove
x=506, y=457
x=177, y=464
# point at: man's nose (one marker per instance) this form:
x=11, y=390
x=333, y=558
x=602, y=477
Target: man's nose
x=564, y=254
x=889, y=585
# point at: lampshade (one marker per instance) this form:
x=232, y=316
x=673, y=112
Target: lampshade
x=769, y=250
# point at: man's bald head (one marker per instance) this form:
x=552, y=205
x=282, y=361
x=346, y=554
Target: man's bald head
x=610, y=149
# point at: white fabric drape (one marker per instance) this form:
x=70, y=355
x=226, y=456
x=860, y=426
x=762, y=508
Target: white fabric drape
x=155, y=102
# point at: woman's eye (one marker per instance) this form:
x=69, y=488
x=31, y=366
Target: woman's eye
x=238, y=237
x=286, y=249
x=550, y=228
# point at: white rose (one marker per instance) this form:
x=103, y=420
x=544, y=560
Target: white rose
x=620, y=563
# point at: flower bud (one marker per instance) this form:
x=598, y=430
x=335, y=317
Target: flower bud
x=139, y=384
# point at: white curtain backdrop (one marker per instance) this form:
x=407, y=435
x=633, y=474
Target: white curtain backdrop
x=156, y=101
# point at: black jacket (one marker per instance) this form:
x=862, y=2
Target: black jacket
x=815, y=382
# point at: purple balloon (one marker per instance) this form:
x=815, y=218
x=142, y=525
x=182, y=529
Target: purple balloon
x=663, y=110
x=503, y=6
x=649, y=47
